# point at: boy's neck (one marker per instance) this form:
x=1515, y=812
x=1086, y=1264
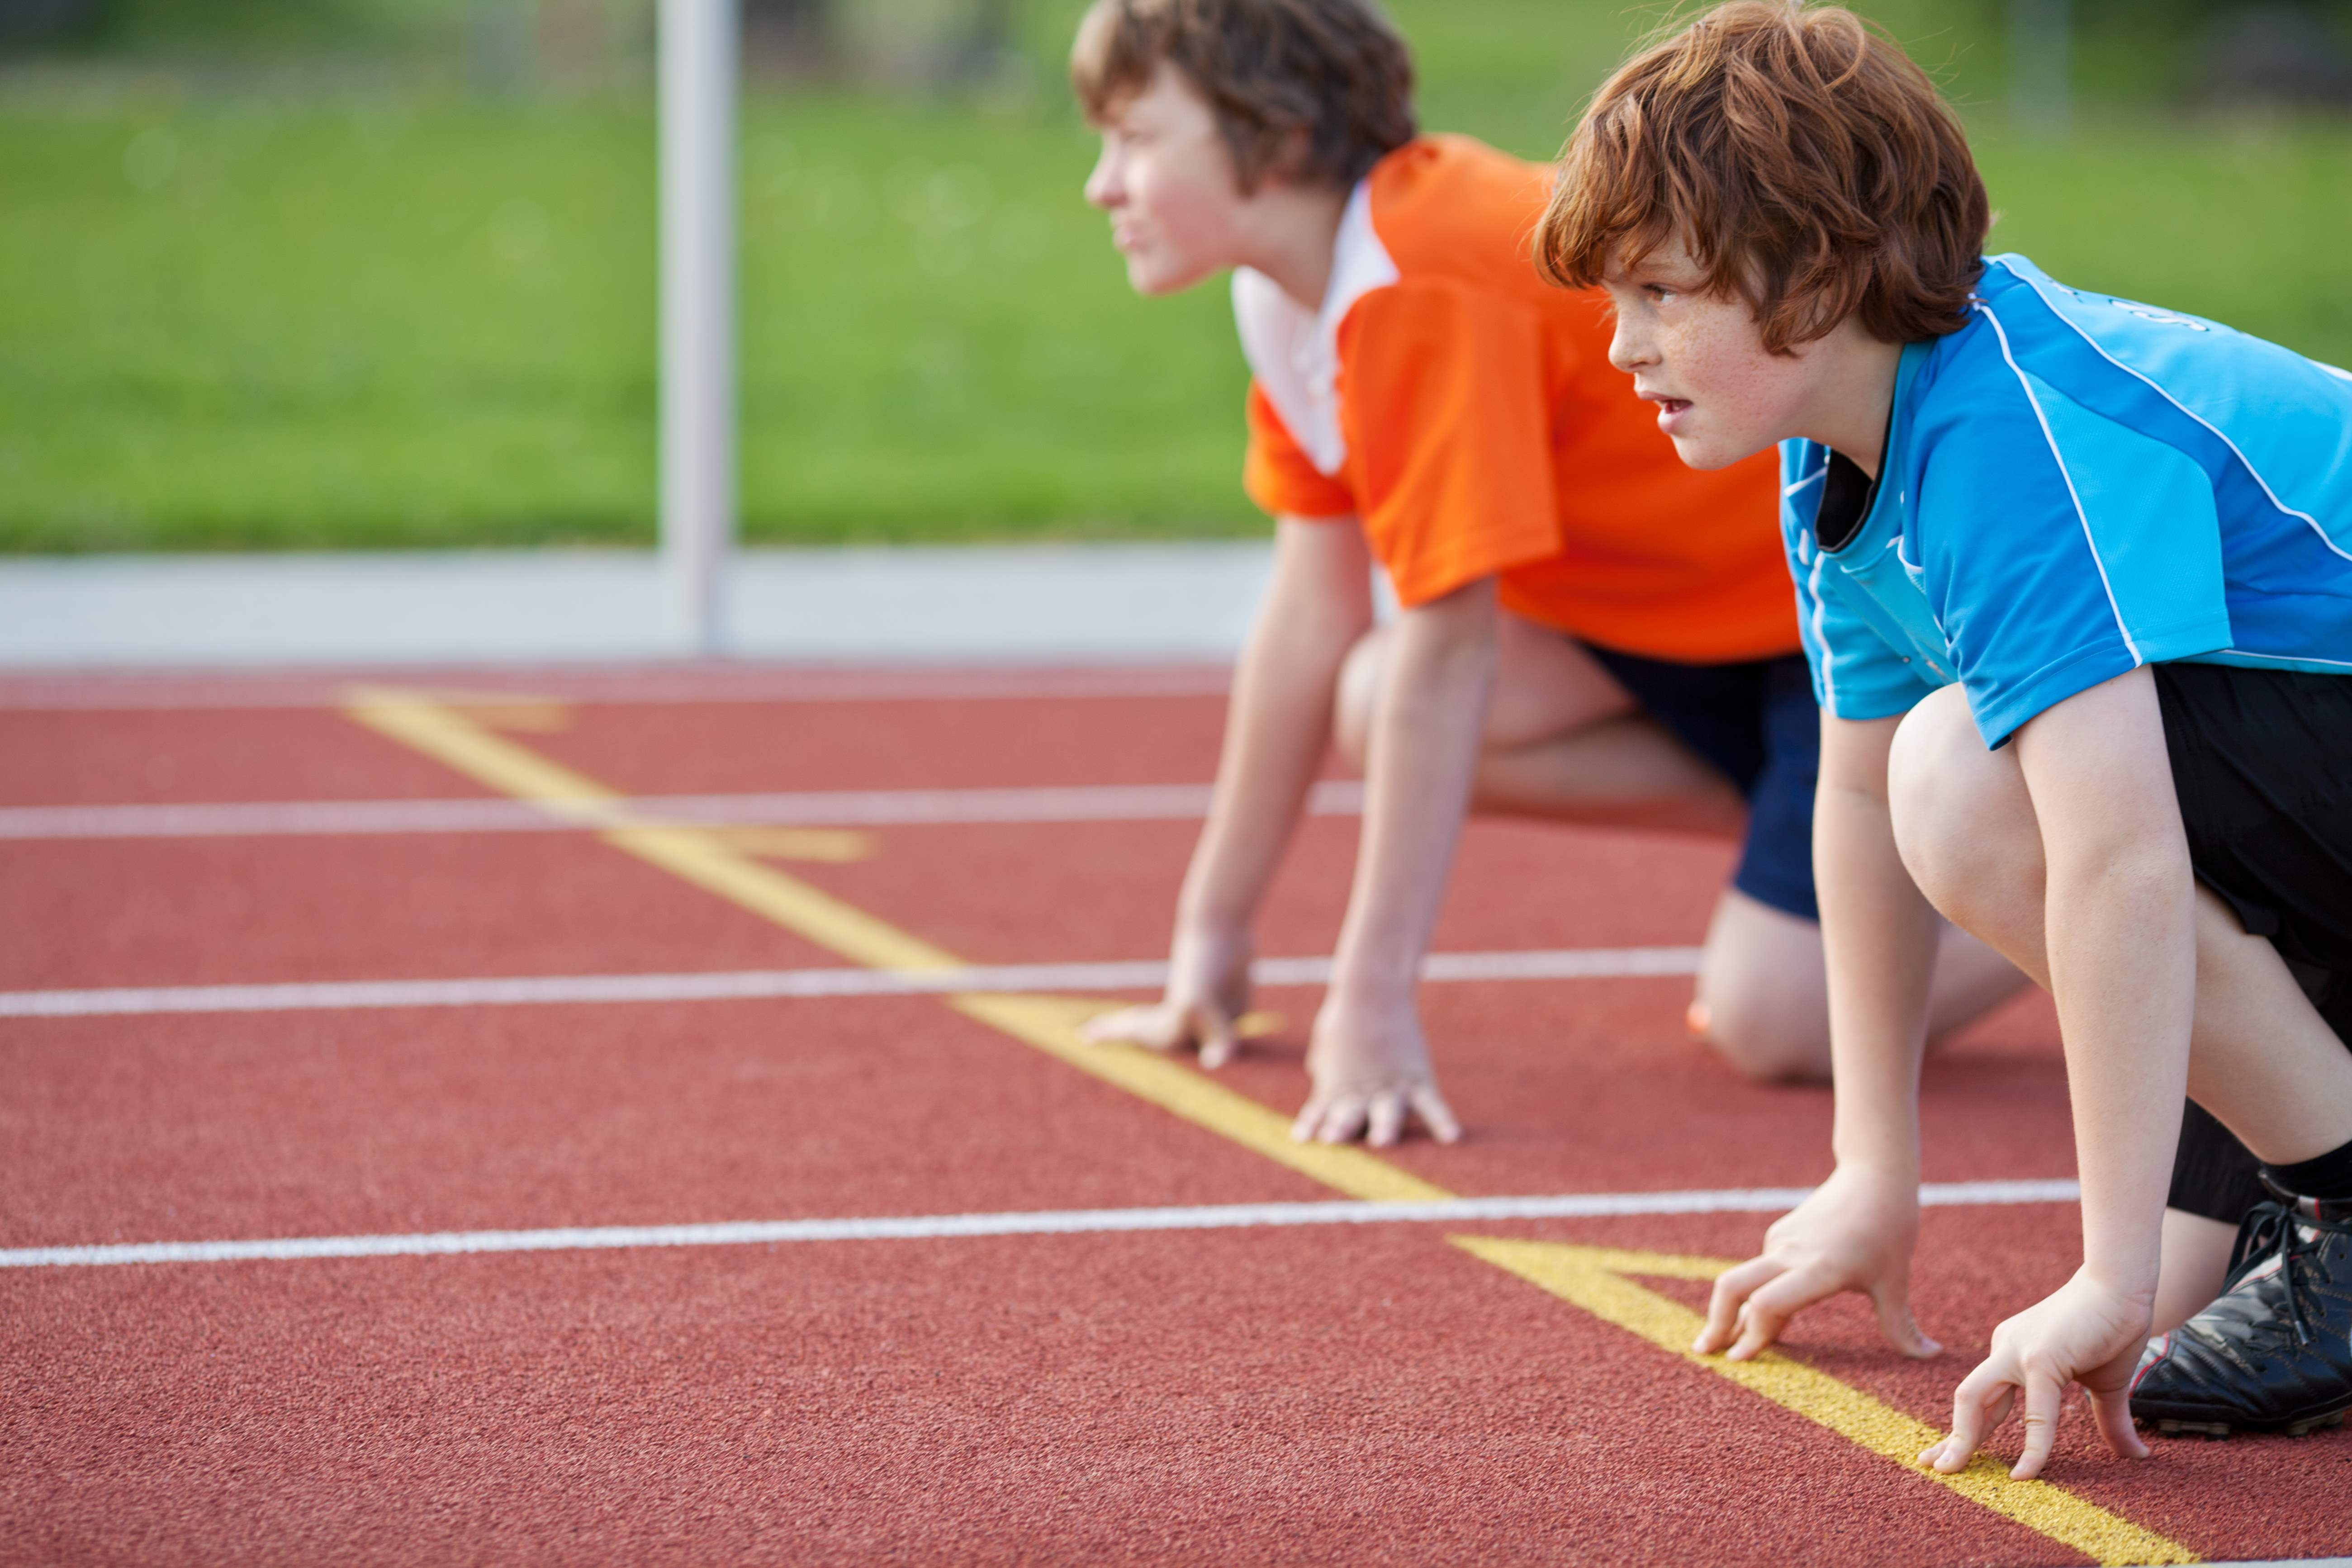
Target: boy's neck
x=1854, y=396
x=1290, y=234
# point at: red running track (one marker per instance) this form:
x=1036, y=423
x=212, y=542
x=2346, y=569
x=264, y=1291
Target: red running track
x=1257, y=1396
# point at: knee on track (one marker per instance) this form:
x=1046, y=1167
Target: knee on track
x=1763, y=1040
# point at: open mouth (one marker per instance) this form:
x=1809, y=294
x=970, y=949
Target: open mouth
x=1671, y=411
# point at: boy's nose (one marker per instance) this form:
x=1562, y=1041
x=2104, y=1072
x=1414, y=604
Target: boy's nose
x=1628, y=352
x=1104, y=188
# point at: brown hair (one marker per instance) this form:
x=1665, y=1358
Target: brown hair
x=1332, y=72
x=1802, y=159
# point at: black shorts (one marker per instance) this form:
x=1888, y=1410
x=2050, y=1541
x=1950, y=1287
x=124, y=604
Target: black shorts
x=1755, y=722
x=2262, y=760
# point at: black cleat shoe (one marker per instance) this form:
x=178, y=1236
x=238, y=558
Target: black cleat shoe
x=2273, y=1353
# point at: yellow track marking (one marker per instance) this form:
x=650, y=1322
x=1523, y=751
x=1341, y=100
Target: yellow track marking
x=701, y=856
x=1590, y=1277
x=838, y=846
x=524, y=717
x=1594, y=1279
x=458, y=740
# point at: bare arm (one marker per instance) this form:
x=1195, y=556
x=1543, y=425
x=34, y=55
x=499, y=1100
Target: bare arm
x=1423, y=756
x=1279, y=724
x=1368, y=1060
x=2119, y=910
x=1879, y=933
x=1277, y=728
x=2120, y=913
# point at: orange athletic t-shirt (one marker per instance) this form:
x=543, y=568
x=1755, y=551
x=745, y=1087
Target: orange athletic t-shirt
x=1466, y=412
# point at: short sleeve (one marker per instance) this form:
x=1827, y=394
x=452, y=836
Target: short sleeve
x=2060, y=549
x=1859, y=670
x=1444, y=400
x=1278, y=474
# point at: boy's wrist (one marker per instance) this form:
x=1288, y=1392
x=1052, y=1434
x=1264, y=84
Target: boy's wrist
x=2123, y=1280
x=1887, y=1166
x=1197, y=940
x=1877, y=1129
x=1205, y=922
x=2123, y=1261
x=1365, y=981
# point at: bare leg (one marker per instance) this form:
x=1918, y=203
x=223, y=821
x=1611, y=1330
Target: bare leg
x=2196, y=1261
x=1565, y=743
x=2261, y=1058
x=1763, y=989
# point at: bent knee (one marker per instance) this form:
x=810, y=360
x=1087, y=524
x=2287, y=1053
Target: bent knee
x=1767, y=1043
x=1957, y=807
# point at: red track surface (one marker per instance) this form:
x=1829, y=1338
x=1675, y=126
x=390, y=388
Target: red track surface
x=1363, y=1392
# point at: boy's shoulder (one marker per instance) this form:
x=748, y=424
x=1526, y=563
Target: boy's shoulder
x=2148, y=366
x=2102, y=383
x=1452, y=210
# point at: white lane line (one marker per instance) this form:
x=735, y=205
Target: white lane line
x=1564, y=963
x=835, y=808
x=1063, y=1222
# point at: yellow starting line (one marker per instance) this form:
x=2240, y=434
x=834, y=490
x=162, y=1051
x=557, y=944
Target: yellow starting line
x=1597, y=1280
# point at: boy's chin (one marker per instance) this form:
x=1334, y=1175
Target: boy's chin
x=1706, y=453
x=1155, y=281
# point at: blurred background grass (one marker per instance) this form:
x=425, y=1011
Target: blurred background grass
x=339, y=273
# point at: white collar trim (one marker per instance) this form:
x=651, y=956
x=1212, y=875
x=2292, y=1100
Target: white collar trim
x=1295, y=354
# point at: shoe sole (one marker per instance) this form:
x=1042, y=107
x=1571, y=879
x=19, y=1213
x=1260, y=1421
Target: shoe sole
x=2218, y=1430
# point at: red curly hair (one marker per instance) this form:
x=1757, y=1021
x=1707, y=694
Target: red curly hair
x=1803, y=160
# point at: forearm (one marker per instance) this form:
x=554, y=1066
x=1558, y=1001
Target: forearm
x=2119, y=910
x=1879, y=935
x=2123, y=968
x=1278, y=722
x=1423, y=761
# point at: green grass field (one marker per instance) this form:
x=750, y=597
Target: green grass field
x=400, y=318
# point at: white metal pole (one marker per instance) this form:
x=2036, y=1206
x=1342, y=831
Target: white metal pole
x=698, y=44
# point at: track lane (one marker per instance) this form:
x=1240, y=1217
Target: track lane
x=230, y=912
x=69, y=758
x=687, y=749
x=1011, y=893
x=496, y=1119
x=1096, y=1398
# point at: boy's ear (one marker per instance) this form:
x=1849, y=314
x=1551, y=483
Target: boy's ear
x=1283, y=168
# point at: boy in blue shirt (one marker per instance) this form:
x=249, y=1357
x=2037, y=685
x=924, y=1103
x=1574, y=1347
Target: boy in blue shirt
x=2075, y=580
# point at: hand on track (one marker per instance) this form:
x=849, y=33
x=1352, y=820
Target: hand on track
x=1854, y=1233
x=1208, y=992
x=2085, y=1333
x=1370, y=1071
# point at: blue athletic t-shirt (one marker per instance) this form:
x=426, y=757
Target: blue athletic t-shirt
x=2074, y=486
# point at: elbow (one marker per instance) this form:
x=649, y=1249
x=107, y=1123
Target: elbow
x=2134, y=877
x=1462, y=629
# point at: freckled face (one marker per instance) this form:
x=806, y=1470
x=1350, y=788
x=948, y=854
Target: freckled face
x=1700, y=357
x=1167, y=179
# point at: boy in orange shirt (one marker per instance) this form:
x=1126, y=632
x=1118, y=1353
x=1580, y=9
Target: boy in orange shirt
x=1588, y=630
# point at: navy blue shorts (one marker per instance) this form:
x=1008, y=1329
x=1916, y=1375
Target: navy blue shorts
x=1756, y=724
